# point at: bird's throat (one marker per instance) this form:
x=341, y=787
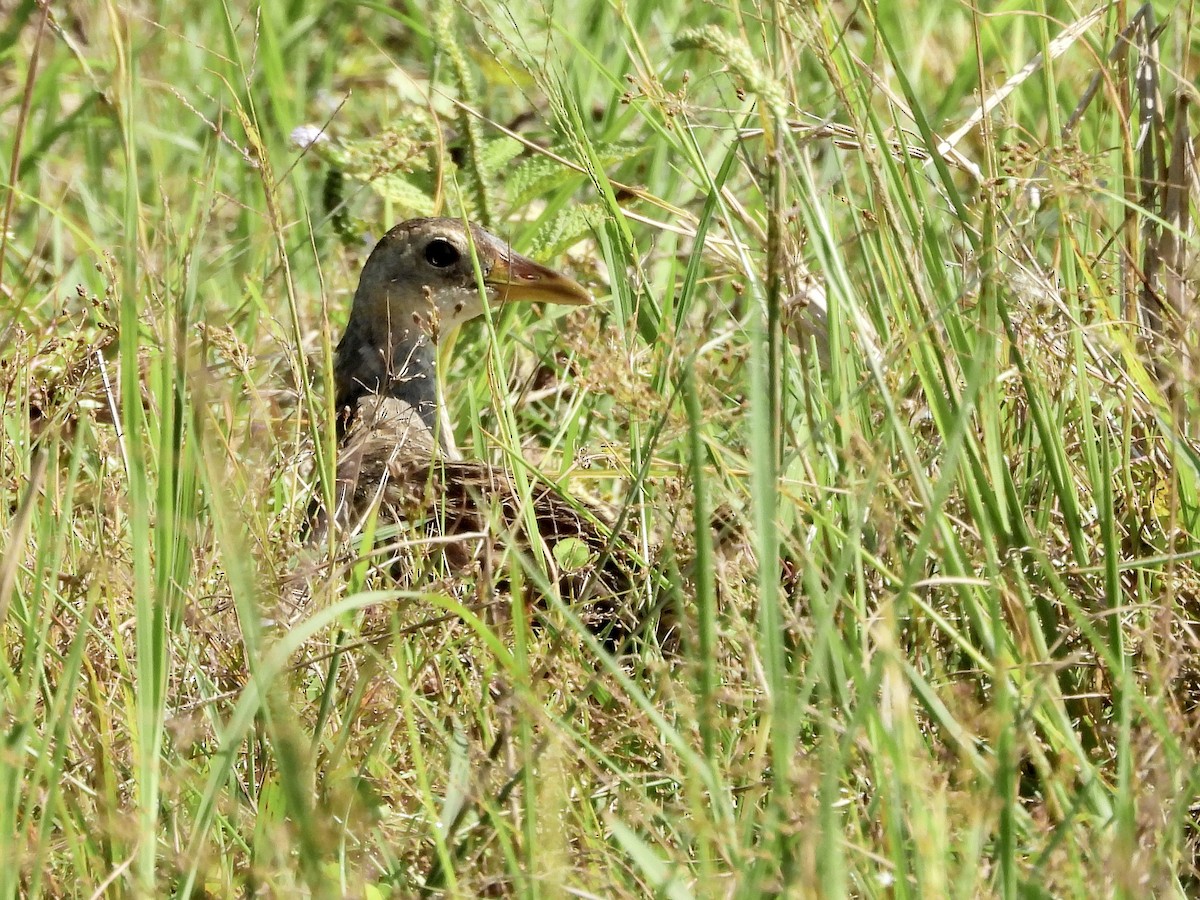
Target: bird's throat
x=408, y=373
x=412, y=378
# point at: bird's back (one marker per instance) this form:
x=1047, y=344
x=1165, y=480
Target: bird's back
x=389, y=464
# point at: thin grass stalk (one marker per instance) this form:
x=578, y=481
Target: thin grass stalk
x=151, y=661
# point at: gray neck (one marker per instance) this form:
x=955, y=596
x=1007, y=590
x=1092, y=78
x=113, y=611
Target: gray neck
x=410, y=375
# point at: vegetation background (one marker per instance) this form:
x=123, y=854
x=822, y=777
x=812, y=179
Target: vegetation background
x=892, y=383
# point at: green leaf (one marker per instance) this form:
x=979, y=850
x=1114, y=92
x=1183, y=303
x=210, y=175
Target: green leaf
x=572, y=554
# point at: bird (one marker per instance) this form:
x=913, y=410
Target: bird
x=396, y=459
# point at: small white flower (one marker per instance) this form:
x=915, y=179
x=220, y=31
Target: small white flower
x=307, y=135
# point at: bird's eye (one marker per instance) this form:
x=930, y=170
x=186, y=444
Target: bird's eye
x=441, y=253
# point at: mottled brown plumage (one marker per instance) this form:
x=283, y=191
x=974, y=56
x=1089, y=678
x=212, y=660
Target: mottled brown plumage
x=395, y=456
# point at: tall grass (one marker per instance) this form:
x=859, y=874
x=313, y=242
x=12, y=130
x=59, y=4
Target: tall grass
x=914, y=485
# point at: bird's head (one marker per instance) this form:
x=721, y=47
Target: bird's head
x=421, y=275
x=419, y=284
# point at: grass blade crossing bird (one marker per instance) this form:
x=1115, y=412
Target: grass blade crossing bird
x=394, y=454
